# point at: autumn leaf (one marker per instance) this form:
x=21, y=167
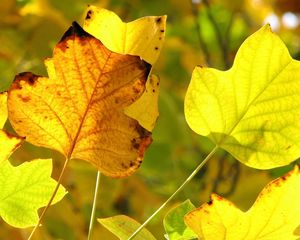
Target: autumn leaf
x=143, y=37
x=8, y=142
x=174, y=224
x=274, y=215
x=25, y=188
x=3, y=108
x=78, y=110
x=123, y=226
x=252, y=109
x=149, y=101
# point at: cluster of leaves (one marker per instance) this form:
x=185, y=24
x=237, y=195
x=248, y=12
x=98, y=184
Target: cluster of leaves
x=237, y=98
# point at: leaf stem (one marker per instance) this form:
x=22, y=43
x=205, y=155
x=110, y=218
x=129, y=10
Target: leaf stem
x=51, y=199
x=94, y=205
x=177, y=191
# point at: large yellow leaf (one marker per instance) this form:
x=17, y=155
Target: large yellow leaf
x=3, y=108
x=78, y=110
x=253, y=109
x=274, y=215
x=143, y=37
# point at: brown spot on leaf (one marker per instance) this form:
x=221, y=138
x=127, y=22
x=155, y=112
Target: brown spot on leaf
x=210, y=202
x=135, y=144
x=162, y=30
x=24, y=98
x=131, y=164
x=89, y=15
x=156, y=48
x=28, y=77
x=158, y=20
x=153, y=90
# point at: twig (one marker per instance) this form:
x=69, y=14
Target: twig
x=94, y=205
x=175, y=193
x=51, y=199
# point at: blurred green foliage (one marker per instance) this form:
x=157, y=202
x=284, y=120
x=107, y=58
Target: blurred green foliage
x=198, y=33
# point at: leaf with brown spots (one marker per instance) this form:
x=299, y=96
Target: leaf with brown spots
x=143, y=37
x=78, y=110
x=3, y=108
x=274, y=215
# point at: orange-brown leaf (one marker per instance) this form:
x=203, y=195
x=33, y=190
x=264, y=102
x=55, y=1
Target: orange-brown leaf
x=78, y=110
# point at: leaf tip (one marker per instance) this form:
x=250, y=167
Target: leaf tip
x=74, y=30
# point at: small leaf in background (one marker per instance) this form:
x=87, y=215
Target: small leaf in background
x=8, y=143
x=174, y=224
x=25, y=188
x=252, y=109
x=274, y=215
x=143, y=37
x=149, y=101
x=3, y=109
x=78, y=110
x=123, y=226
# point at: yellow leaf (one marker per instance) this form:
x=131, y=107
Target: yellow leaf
x=78, y=110
x=274, y=215
x=251, y=110
x=143, y=37
x=148, y=101
x=3, y=108
x=9, y=144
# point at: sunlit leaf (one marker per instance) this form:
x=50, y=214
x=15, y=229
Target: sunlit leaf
x=25, y=188
x=274, y=215
x=174, y=222
x=78, y=110
x=252, y=109
x=123, y=226
x=143, y=37
x=149, y=101
x=3, y=108
x=8, y=143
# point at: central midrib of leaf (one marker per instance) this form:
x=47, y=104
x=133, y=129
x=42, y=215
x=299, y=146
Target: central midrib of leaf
x=250, y=104
x=74, y=142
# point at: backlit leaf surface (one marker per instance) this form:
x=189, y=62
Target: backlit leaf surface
x=3, y=108
x=25, y=188
x=123, y=226
x=78, y=110
x=253, y=109
x=174, y=222
x=143, y=37
x=149, y=102
x=274, y=215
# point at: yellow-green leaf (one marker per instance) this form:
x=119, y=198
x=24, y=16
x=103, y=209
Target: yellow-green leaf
x=123, y=226
x=79, y=109
x=24, y=188
x=274, y=215
x=148, y=101
x=253, y=109
x=143, y=37
x=3, y=108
